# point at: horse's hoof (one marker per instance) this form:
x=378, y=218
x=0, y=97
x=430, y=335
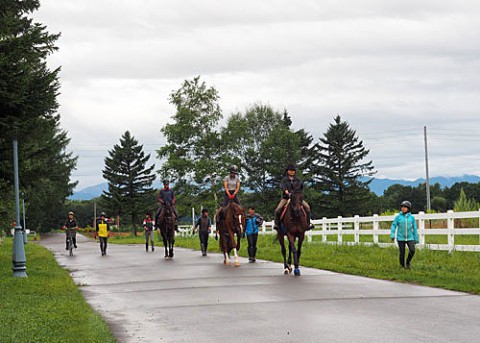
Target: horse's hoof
x=237, y=264
x=290, y=269
x=227, y=263
x=297, y=272
x=286, y=271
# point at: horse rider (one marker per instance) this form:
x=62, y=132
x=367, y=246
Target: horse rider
x=291, y=183
x=231, y=185
x=166, y=196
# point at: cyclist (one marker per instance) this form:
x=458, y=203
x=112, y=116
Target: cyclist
x=70, y=228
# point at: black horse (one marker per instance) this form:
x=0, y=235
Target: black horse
x=294, y=225
x=166, y=221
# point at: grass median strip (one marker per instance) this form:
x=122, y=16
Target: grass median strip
x=46, y=306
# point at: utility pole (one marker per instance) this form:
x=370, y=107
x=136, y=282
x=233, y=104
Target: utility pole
x=427, y=179
x=18, y=257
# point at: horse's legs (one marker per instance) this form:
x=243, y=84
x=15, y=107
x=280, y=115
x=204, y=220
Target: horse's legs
x=284, y=254
x=165, y=243
x=295, y=256
x=236, y=262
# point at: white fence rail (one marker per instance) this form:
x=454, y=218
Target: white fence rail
x=333, y=230
x=448, y=224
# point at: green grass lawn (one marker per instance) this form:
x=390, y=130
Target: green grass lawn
x=46, y=306
x=456, y=271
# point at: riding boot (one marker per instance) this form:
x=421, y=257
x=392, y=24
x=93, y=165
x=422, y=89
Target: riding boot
x=250, y=254
x=309, y=224
x=276, y=225
x=146, y=247
x=254, y=254
x=204, y=252
x=74, y=240
x=153, y=249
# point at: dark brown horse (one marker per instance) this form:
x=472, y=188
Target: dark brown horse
x=166, y=223
x=233, y=223
x=293, y=226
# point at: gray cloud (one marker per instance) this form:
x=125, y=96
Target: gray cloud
x=389, y=68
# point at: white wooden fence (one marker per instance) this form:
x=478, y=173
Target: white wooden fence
x=333, y=230
x=448, y=224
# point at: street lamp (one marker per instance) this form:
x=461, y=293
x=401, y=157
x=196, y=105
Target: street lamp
x=18, y=257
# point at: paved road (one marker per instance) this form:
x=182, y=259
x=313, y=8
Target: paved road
x=191, y=298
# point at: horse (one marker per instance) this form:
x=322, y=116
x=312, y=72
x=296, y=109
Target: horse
x=166, y=222
x=232, y=224
x=293, y=226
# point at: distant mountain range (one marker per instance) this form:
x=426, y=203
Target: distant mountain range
x=378, y=186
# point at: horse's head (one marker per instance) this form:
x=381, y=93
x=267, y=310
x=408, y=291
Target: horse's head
x=168, y=210
x=296, y=201
x=238, y=216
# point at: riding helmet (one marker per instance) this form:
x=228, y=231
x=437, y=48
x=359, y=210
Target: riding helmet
x=406, y=203
x=291, y=166
x=102, y=214
x=233, y=169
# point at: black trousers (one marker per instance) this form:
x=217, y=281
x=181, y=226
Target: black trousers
x=203, y=239
x=103, y=244
x=411, y=251
x=252, y=245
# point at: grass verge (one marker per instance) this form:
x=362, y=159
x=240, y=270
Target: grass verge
x=47, y=305
x=457, y=271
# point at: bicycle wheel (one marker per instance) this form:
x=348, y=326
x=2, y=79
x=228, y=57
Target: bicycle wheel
x=70, y=246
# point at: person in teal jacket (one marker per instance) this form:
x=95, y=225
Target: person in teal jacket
x=407, y=234
x=252, y=222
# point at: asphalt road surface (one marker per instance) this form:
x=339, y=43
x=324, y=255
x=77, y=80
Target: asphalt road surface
x=191, y=298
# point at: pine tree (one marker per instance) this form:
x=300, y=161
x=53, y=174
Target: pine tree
x=129, y=180
x=339, y=171
x=28, y=105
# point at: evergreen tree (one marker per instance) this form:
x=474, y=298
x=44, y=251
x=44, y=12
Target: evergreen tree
x=28, y=105
x=464, y=204
x=339, y=171
x=129, y=180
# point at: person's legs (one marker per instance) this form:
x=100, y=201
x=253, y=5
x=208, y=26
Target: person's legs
x=203, y=242
x=306, y=206
x=401, y=248
x=254, y=246
x=250, y=247
x=278, y=213
x=411, y=252
x=74, y=239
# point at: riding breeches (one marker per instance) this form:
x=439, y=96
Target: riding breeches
x=283, y=202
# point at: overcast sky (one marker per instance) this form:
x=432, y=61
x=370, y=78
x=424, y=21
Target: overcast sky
x=389, y=68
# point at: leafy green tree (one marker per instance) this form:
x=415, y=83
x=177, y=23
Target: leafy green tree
x=28, y=104
x=340, y=171
x=129, y=179
x=193, y=148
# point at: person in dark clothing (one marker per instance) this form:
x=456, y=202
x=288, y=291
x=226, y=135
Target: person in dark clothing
x=70, y=228
x=166, y=195
x=204, y=228
x=405, y=227
x=252, y=222
x=149, y=226
x=291, y=183
x=102, y=231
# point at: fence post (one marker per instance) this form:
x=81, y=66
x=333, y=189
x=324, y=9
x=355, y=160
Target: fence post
x=375, y=229
x=421, y=228
x=356, y=228
x=339, y=230
x=450, y=231
x=324, y=229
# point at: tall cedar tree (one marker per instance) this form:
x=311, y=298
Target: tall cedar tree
x=340, y=173
x=28, y=105
x=193, y=145
x=129, y=180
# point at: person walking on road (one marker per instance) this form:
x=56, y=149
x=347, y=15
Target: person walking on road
x=205, y=227
x=148, y=226
x=405, y=227
x=70, y=228
x=252, y=222
x=102, y=231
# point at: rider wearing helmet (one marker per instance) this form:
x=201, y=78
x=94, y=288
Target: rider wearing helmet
x=102, y=230
x=291, y=183
x=231, y=184
x=406, y=233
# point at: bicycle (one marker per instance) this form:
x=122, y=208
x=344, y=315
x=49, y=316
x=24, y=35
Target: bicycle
x=70, y=245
